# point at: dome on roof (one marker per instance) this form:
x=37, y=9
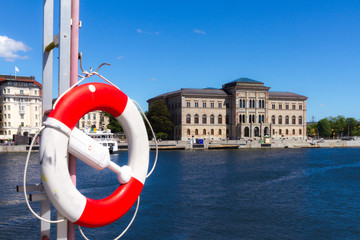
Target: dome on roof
x=245, y=80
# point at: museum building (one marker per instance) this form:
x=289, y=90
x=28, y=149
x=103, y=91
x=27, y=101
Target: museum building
x=243, y=108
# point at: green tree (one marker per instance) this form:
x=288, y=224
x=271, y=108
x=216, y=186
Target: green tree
x=312, y=130
x=160, y=119
x=338, y=125
x=324, y=128
x=113, y=125
x=351, y=126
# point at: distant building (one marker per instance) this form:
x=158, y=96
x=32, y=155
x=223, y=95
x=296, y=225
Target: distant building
x=243, y=108
x=94, y=121
x=20, y=106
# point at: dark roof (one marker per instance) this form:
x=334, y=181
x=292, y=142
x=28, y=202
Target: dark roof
x=244, y=80
x=212, y=92
x=286, y=95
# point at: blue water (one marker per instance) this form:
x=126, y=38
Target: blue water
x=237, y=194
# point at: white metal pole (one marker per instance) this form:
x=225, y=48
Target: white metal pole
x=64, y=75
x=48, y=25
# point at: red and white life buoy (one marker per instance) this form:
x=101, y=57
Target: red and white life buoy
x=54, y=158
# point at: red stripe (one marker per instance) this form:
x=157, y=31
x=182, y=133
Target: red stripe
x=80, y=100
x=102, y=212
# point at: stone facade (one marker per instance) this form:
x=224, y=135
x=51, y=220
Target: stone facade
x=243, y=108
x=20, y=106
x=93, y=120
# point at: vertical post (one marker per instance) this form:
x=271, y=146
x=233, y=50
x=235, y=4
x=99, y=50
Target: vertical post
x=73, y=79
x=64, y=75
x=48, y=22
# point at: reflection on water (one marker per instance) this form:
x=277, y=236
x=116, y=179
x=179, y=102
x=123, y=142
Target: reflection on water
x=236, y=194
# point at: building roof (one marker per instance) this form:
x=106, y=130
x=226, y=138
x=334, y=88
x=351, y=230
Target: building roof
x=244, y=80
x=211, y=92
x=286, y=95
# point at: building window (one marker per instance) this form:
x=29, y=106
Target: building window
x=212, y=132
x=4, y=91
x=187, y=104
x=293, y=107
x=196, y=119
x=220, y=132
x=212, y=105
x=300, y=131
x=287, y=106
x=188, y=118
x=196, y=132
x=227, y=120
x=88, y=116
x=280, y=106
x=280, y=120
x=219, y=119
x=219, y=105
x=21, y=92
x=287, y=131
x=300, y=120
x=9, y=124
x=293, y=120
x=204, y=132
x=273, y=106
x=204, y=104
x=196, y=104
x=273, y=119
x=22, y=116
x=293, y=131
x=204, y=119
x=300, y=107
x=259, y=118
x=10, y=117
x=36, y=124
x=188, y=132
x=212, y=119
x=83, y=124
x=287, y=120
x=94, y=116
x=36, y=108
x=9, y=132
x=280, y=131
x=36, y=116
x=262, y=118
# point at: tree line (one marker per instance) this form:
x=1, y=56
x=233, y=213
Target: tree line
x=334, y=127
x=159, y=117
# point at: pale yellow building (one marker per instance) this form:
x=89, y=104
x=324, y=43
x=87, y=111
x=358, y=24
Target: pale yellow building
x=243, y=108
x=20, y=106
x=94, y=120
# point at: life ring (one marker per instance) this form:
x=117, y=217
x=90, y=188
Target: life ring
x=54, y=158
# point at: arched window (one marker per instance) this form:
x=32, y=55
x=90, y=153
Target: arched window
x=300, y=132
x=293, y=131
x=300, y=120
x=259, y=118
x=188, y=132
x=260, y=104
x=220, y=132
x=262, y=118
x=287, y=120
x=244, y=102
x=243, y=117
x=227, y=119
x=196, y=119
x=280, y=120
x=220, y=119
x=250, y=103
x=212, y=131
x=263, y=103
x=293, y=120
x=280, y=132
x=287, y=131
x=249, y=118
x=240, y=103
x=253, y=117
x=273, y=119
x=204, y=132
x=204, y=119
x=256, y=132
x=9, y=132
x=5, y=133
x=212, y=119
x=188, y=118
x=196, y=132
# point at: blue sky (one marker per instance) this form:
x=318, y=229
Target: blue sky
x=308, y=47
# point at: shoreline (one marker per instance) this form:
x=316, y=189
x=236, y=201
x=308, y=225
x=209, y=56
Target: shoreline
x=214, y=145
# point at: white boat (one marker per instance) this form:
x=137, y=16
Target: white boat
x=106, y=139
